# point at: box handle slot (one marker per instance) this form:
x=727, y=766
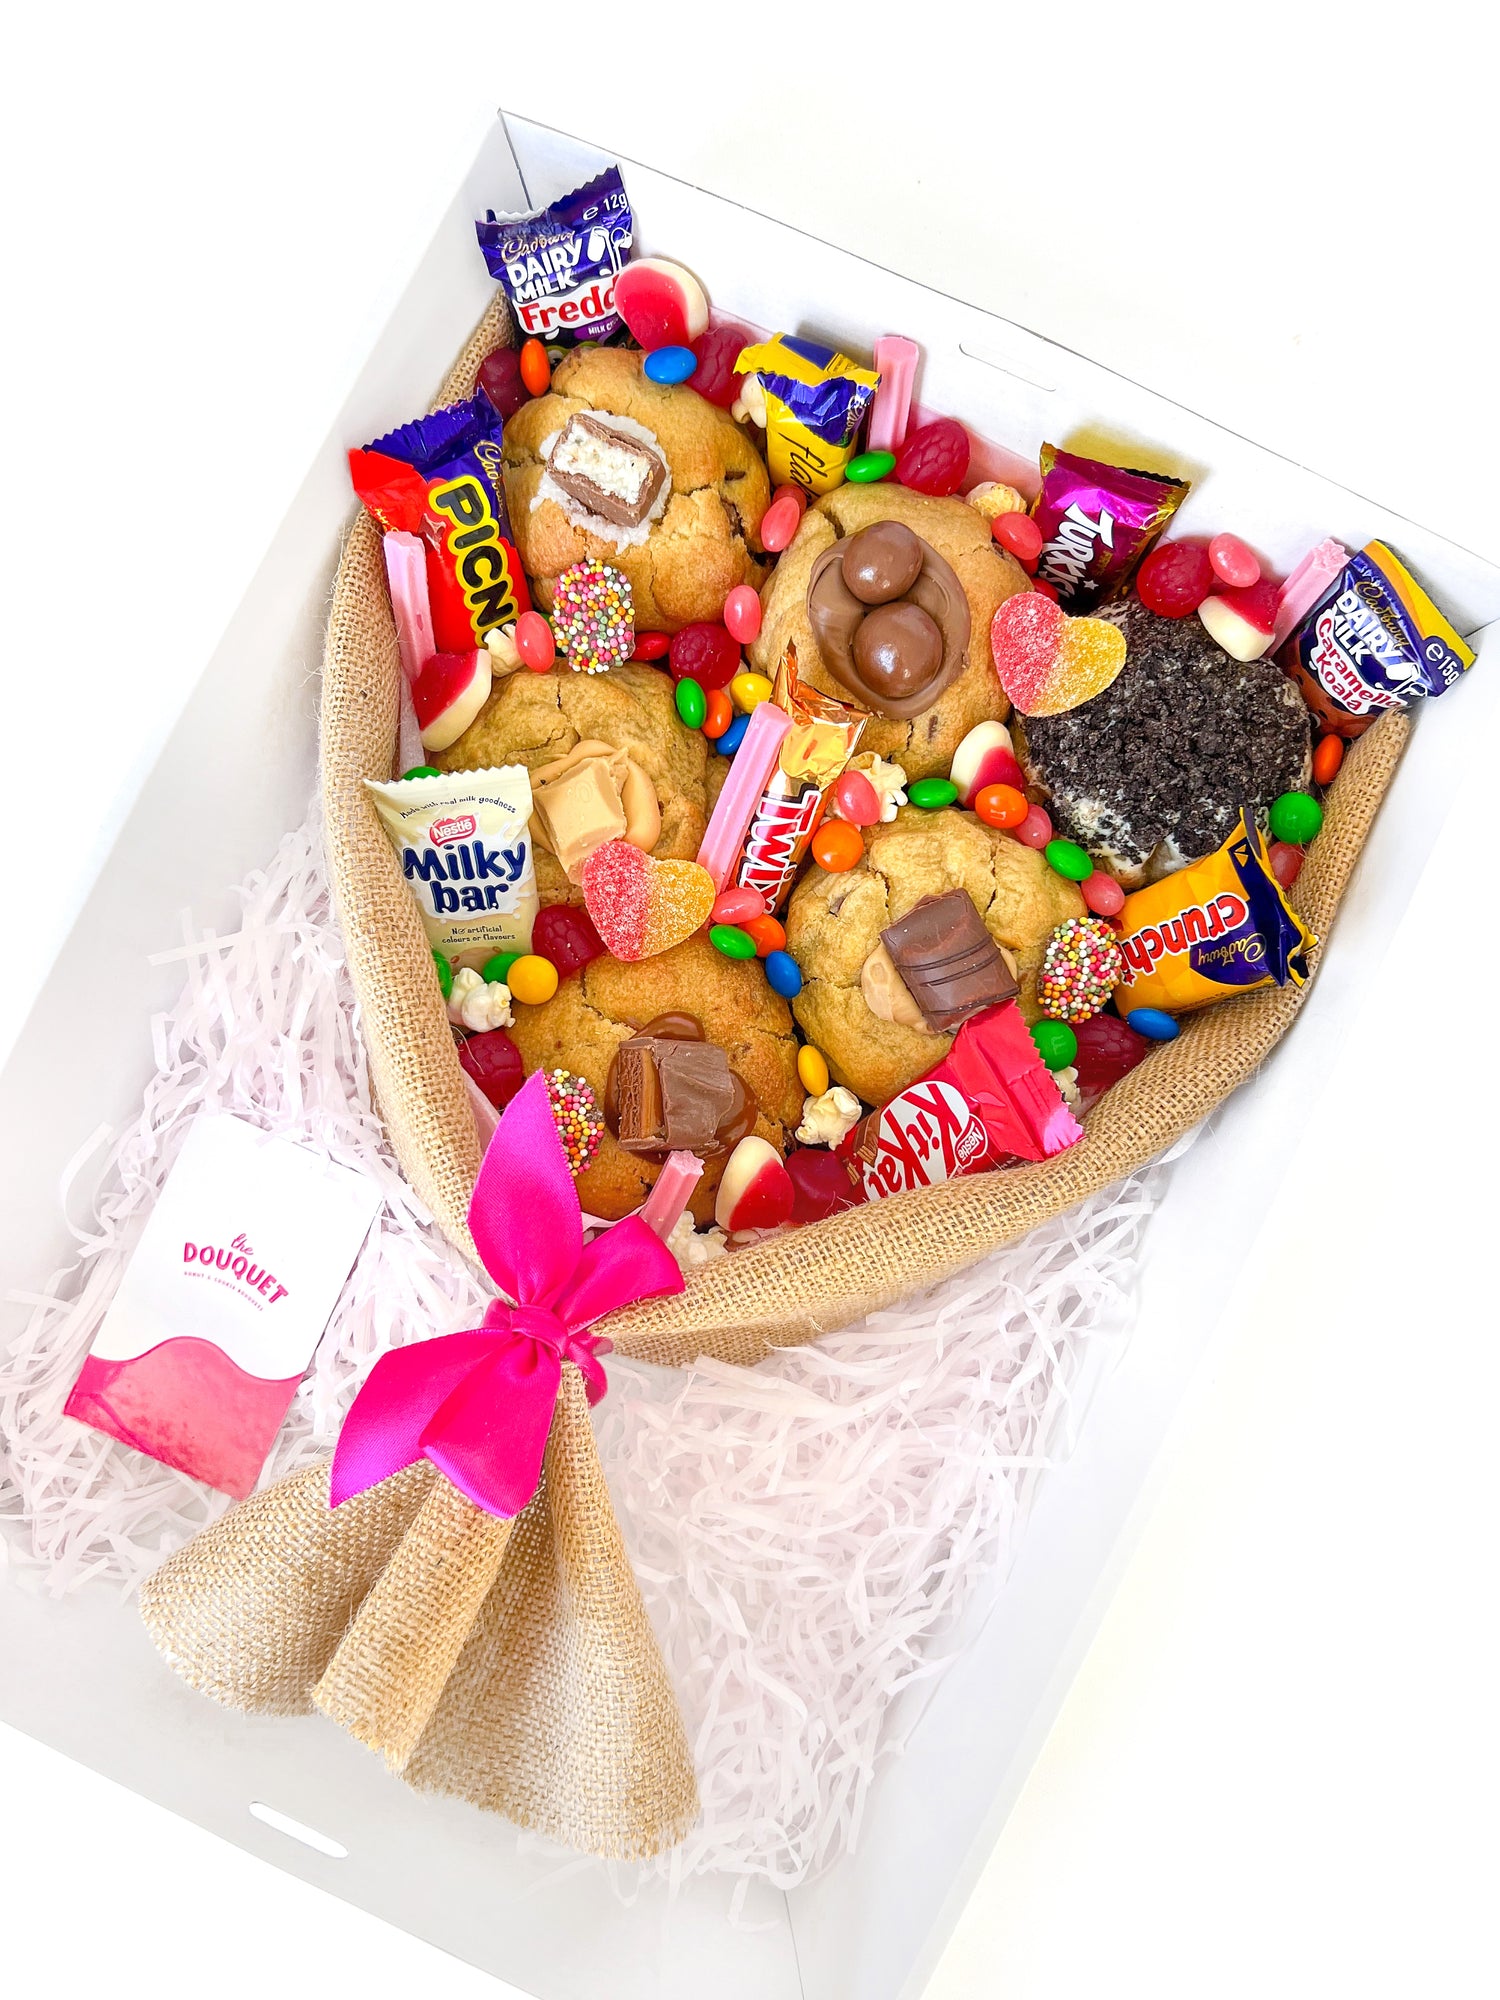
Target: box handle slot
x=296, y=1830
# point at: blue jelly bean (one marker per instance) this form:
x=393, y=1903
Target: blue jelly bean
x=1153, y=1024
x=671, y=364
x=733, y=736
x=783, y=974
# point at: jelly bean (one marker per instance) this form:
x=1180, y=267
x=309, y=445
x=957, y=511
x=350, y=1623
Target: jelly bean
x=1056, y=1043
x=532, y=980
x=1019, y=534
x=692, y=705
x=444, y=973
x=670, y=364
x=1153, y=1024
x=870, y=466
x=422, y=771
x=749, y=690
x=732, y=942
x=837, y=847
x=812, y=1070
x=932, y=794
x=858, y=800
x=935, y=457
x=500, y=379
x=782, y=518
x=718, y=713
x=783, y=974
x=1103, y=894
x=742, y=613
x=733, y=736
x=651, y=646
x=735, y=906
x=1234, y=562
x=498, y=967
x=1286, y=862
x=565, y=935
x=1043, y=588
x=1003, y=805
x=536, y=369
x=704, y=652
x=767, y=933
x=1067, y=858
x=534, y=641
x=1296, y=818
x=1036, y=829
x=1174, y=579
x=1326, y=759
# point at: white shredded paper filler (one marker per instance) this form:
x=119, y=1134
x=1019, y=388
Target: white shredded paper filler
x=808, y=1534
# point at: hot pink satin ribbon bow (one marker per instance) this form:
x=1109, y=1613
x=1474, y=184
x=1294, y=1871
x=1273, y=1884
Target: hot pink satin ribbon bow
x=479, y=1405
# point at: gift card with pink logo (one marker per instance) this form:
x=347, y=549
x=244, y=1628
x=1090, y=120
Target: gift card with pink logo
x=226, y=1297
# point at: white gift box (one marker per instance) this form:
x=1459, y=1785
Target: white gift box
x=80, y=1673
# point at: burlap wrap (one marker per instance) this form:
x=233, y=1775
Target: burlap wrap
x=512, y=1663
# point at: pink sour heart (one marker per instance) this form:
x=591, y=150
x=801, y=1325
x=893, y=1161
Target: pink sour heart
x=934, y=458
x=858, y=800
x=566, y=938
x=717, y=351
x=1174, y=579
x=1036, y=829
x=1234, y=562
x=742, y=613
x=661, y=303
x=706, y=653
x=1025, y=634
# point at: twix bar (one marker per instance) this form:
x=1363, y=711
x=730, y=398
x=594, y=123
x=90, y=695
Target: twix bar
x=822, y=737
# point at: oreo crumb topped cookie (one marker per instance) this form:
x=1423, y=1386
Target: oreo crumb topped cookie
x=1152, y=774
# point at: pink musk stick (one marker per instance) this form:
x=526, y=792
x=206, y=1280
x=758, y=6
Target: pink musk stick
x=406, y=573
x=667, y=1202
x=896, y=359
x=1304, y=587
x=753, y=764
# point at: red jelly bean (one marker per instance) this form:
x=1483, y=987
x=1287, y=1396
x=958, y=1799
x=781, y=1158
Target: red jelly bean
x=500, y=379
x=1286, y=862
x=1174, y=579
x=1103, y=894
x=536, y=369
x=822, y=1183
x=534, y=642
x=935, y=458
x=858, y=800
x=718, y=713
x=650, y=646
x=1043, y=588
x=782, y=518
x=1107, y=1050
x=706, y=654
x=1326, y=759
x=494, y=1062
x=717, y=351
x=742, y=613
x=566, y=938
x=737, y=906
x=1036, y=829
x=1234, y=562
x=1020, y=534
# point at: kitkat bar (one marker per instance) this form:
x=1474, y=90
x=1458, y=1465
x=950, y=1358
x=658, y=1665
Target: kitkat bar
x=989, y=1101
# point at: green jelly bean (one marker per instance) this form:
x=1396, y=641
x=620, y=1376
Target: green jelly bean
x=495, y=969
x=732, y=941
x=692, y=703
x=422, y=771
x=1296, y=818
x=932, y=794
x=1056, y=1043
x=1069, y=859
x=870, y=466
x=444, y=973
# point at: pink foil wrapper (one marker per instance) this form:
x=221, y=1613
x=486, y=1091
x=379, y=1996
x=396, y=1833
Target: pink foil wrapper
x=1097, y=522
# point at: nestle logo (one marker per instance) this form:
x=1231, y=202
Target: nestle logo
x=460, y=827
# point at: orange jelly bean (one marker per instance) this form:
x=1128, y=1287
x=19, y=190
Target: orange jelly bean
x=837, y=846
x=1326, y=760
x=1001, y=805
x=536, y=369
x=768, y=934
x=718, y=713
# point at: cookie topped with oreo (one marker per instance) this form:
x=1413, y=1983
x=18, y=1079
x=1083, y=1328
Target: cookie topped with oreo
x=1152, y=773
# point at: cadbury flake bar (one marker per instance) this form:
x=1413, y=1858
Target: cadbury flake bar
x=1207, y=932
x=813, y=754
x=464, y=843
x=1097, y=522
x=815, y=401
x=1374, y=641
x=558, y=265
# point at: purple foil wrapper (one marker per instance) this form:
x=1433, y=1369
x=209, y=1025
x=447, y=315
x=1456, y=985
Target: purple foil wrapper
x=558, y=267
x=1097, y=521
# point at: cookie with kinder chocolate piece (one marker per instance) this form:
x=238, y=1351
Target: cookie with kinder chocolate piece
x=854, y=1005
x=694, y=993
x=645, y=476
x=915, y=652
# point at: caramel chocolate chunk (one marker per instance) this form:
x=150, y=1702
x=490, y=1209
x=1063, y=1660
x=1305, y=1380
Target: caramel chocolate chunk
x=671, y=1096
x=609, y=471
x=948, y=961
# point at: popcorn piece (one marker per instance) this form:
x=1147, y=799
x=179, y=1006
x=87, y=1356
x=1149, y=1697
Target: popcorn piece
x=889, y=781
x=476, y=1004
x=827, y=1119
x=1067, y=1084
x=992, y=498
x=500, y=644
x=693, y=1248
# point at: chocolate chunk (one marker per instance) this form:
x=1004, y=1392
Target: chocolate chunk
x=948, y=961
x=610, y=472
x=882, y=561
x=672, y=1096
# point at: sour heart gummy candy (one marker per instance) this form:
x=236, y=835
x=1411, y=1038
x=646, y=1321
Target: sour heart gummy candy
x=934, y=459
x=1048, y=662
x=641, y=906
